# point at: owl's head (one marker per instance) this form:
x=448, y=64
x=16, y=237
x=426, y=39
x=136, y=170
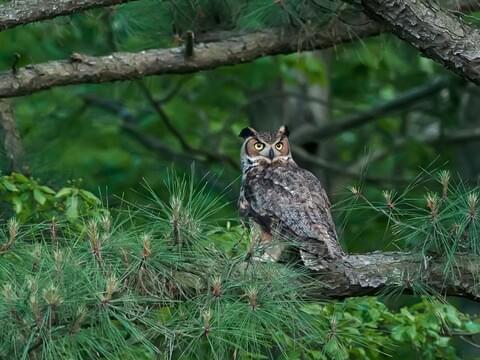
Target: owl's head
x=264, y=147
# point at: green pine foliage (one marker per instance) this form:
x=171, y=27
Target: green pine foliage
x=177, y=16
x=435, y=215
x=171, y=279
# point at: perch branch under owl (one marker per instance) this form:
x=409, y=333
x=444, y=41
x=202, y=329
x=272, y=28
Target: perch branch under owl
x=374, y=273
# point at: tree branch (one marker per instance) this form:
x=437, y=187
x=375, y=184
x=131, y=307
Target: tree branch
x=452, y=137
x=437, y=33
x=344, y=171
x=81, y=69
x=179, y=136
x=21, y=12
x=309, y=132
x=358, y=275
x=129, y=125
x=456, y=48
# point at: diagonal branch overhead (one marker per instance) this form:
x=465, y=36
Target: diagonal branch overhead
x=309, y=132
x=437, y=33
x=21, y=12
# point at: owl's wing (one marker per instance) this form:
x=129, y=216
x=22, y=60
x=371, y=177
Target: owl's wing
x=296, y=201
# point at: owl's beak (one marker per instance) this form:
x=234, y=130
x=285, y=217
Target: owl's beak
x=271, y=154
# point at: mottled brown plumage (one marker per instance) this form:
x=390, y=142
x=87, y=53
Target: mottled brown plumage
x=285, y=200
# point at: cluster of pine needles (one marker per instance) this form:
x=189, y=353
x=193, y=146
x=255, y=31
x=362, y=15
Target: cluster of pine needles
x=150, y=280
x=168, y=280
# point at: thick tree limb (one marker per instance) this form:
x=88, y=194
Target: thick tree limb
x=21, y=12
x=372, y=273
x=437, y=33
x=126, y=66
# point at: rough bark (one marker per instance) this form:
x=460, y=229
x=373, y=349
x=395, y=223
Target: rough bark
x=21, y=12
x=437, y=33
x=367, y=274
x=126, y=66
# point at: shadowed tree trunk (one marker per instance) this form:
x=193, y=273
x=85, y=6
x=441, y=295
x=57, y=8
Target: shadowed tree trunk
x=12, y=142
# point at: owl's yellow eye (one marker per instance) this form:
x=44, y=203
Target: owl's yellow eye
x=259, y=146
x=279, y=146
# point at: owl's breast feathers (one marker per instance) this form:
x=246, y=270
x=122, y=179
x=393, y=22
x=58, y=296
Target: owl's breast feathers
x=288, y=200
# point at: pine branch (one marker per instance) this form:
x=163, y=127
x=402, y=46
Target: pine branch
x=231, y=50
x=457, y=50
x=21, y=12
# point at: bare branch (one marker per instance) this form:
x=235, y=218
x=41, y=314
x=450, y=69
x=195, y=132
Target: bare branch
x=450, y=137
x=244, y=48
x=21, y=12
x=130, y=125
x=164, y=117
x=179, y=136
x=81, y=69
x=437, y=33
x=344, y=171
x=309, y=132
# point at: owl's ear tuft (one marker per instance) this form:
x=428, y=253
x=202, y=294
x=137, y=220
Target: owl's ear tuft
x=247, y=132
x=283, y=131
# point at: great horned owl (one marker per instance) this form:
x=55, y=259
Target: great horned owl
x=284, y=199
